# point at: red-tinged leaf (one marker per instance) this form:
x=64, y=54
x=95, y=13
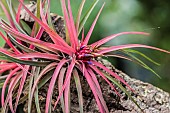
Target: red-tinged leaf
x=52, y=83
x=11, y=87
x=21, y=46
x=10, y=104
x=4, y=6
x=93, y=76
x=111, y=73
x=87, y=15
x=68, y=24
x=44, y=20
x=102, y=75
x=18, y=12
x=118, y=56
x=9, y=43
x=95, y=92
x=73, y=28
x=108, y=38
x=79, y=89
x=43, y=72
x=24, y=69
x=86, y=40
x=21, y=86
x=36, y=95
x=67, y=79
x=7, y=68
x=38, y=55
x=7, y=65
x=67, y=97
x=44, y=45
x=10, y=57
x=6, y=82
x=60, y=84
x=79, y=15
x=115, y=48
x=38, y=35
x=55, y=37
x=34, y=72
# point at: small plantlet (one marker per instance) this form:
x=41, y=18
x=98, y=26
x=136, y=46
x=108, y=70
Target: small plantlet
x=30, y=59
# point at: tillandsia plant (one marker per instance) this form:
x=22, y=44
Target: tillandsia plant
x=29, y=58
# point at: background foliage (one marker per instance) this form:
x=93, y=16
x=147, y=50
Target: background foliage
x=135, y=15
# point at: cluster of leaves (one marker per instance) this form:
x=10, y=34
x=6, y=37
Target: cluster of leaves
x=67, y=58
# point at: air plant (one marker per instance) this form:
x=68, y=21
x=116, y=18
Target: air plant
x=30, y=59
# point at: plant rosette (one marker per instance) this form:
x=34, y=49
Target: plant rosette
x=29, y=58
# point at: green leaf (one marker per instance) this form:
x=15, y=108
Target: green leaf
x=29, y=91
x=21, y=46
x=37, y=26
x=13, y=13
x=142, y=64
x=26, y=27
x=79, y=90
x=36, y=91
x=79, y=14
x=141, y=54
x=26, y=62
x=86, y=16
x=122, y=88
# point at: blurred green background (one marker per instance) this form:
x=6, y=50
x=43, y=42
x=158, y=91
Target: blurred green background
x=150, y=16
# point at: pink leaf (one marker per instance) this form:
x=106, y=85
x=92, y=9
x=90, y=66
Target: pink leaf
x=52, y=83
x=55, y=37
x=22, y=82
x=85, y=42
x=12, y=85
x=111, y=73
x=19, y=12
x=60, y=84
x=9, y=43
x=38, y=55
x=93, y=76
x=43, y=72
x=102, y=75
x=36, y=42
x=69, y=25
x=73, y=28
x=67, y=79
x=6, y=82
x=94, y=90
x=107, y=39
x=7, y=14
x=115, y=48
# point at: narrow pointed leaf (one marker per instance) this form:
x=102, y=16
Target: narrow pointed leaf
x=86, y=16
x=141, y=54
x=107, y=39
x=68, y=77
x=123, y=89
x=52, y=83
x=115, y=48
x=86, y=40
x=79, y=89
